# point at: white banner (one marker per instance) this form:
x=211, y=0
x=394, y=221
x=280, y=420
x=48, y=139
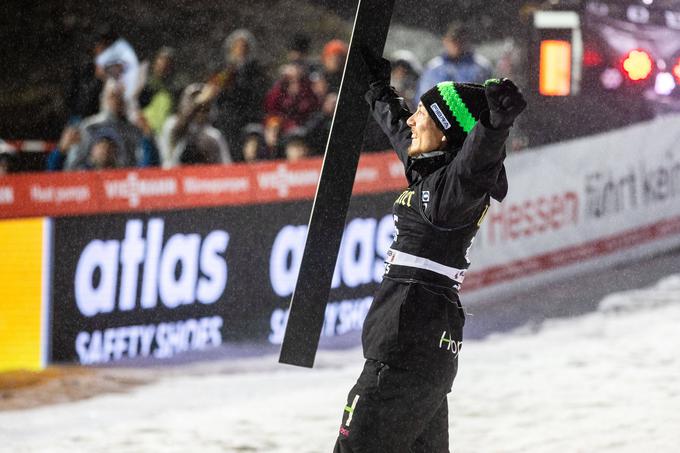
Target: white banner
x=576, y=202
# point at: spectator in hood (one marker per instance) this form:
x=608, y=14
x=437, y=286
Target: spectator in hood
x=458, y=62
x=272, y=137
x=254, y=148
x=318, y=127
x=406, y=70
x=241, y=85
x=292, y=97
x=118, y=60
x=298, y=51
x=86, y=82
x=295, y=146
x=189, y=137
x=333, y=60
x=104, y=150
x=157, y=98
x=6, y=160
x=133, y=148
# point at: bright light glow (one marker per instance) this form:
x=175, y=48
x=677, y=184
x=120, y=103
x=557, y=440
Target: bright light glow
x=555, y=68
x=591, y=57
x=664, y=83
x=611, y=78
x=638, y=65
x=676, y=70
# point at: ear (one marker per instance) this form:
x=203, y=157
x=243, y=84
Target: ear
x=443, y=144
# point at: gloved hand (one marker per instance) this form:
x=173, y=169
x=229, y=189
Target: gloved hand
x=379, y=69
x=505, y=102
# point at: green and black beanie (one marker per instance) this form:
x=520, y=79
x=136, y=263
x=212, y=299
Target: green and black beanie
x=455, y=108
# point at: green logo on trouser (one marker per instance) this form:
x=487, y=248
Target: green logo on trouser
x=447, y=342
x=350, y=410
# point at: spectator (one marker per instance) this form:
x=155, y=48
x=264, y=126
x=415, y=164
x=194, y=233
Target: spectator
x=333, y=60
x=272, y=136
x=84, y=91
x=158, y=96
x=292, y=97
x=118, y=60
x=318, y=126
x=70, y=137
x=319, y=84
x=298, y=51
x=406, y=70
x=133, y=147
x=6, y=161
x=253, y=143
x=242, y=84
x=189, y=137
x=104, y=150
x=458, y=62
x=296, y=148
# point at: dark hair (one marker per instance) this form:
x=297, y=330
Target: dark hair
x=458, y=31
x=106, y=35
x=300, y=42
x=7, y=159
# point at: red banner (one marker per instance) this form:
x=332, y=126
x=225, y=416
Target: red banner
x=71, y=193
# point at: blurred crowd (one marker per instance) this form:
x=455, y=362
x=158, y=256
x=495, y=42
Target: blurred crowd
x=127, y=113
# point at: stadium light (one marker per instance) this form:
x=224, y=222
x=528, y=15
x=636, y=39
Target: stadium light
x=555, y=68
x=637, y=65
x=664, y=84
x=591, y=58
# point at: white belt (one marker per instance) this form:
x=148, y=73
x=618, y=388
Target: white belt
x=406, y=259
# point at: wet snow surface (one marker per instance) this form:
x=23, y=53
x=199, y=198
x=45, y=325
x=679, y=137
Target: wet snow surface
x=607, y=381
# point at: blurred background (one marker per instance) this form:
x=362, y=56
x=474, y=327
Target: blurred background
x=158, y=163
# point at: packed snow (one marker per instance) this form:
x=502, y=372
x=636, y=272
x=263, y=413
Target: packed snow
x=607, y=381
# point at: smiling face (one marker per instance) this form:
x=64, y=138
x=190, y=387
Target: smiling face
x=425, y=134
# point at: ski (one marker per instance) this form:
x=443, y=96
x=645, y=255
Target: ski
x=329, y=211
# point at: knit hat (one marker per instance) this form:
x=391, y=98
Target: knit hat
x=455, y=108
x=334, y=47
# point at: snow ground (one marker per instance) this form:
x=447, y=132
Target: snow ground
x=607, y=381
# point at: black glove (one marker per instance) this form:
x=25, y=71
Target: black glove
x=379, y=69
x=505, y=102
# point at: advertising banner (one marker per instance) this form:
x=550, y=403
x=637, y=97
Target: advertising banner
x=24, y=265
x=155, y=281
x=140, y=190
x=582, y=200
x=155, y=285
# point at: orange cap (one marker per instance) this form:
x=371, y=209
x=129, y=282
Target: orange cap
x=334, y=47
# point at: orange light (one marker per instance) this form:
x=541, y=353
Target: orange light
x=555, y=68
x=676, y=70
x=638, y=65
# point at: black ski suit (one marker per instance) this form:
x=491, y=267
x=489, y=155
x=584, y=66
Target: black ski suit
x=413, y=332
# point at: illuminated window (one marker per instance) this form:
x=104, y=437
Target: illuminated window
x=555, y=68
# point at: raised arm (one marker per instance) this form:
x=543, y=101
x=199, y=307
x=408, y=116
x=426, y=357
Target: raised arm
x=477, y=170
x=387, y=107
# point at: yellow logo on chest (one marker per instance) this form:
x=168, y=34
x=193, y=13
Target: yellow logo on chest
x=405, y=198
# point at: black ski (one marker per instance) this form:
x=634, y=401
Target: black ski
x=329, y=212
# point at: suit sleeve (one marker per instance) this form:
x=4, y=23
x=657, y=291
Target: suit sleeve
x=391, y=112
x=462, y=187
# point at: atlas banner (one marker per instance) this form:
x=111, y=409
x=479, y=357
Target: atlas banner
x=160, y=284
x=155, y=283
x=24, y=269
